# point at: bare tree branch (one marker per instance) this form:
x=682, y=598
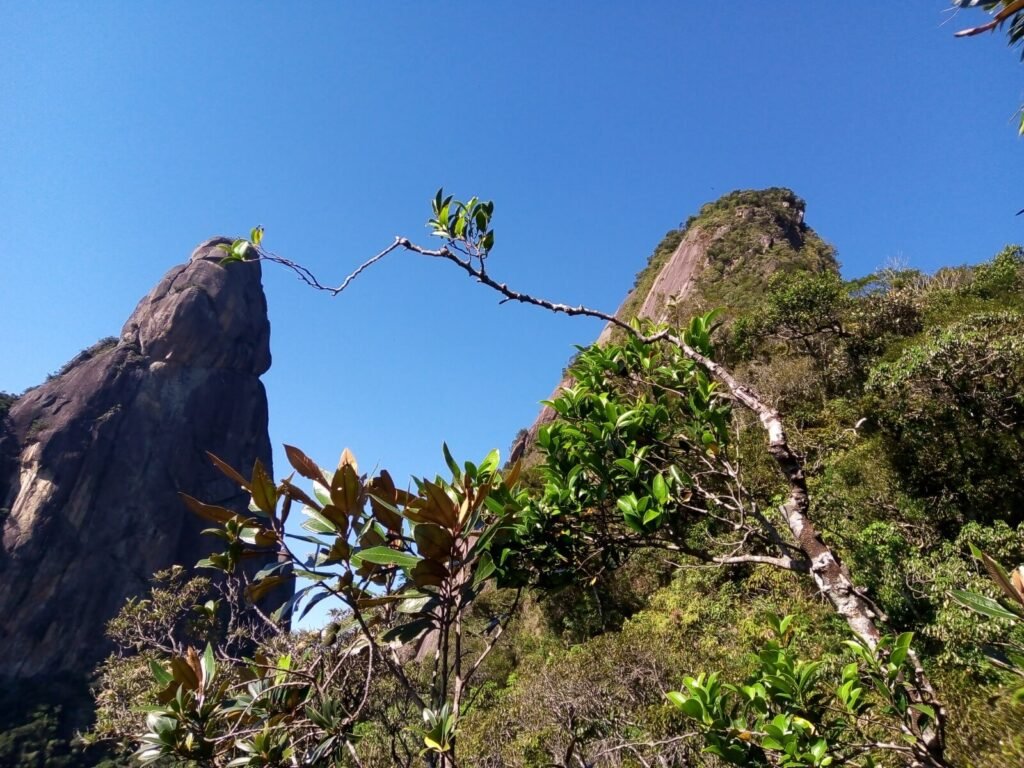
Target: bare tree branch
x=829, y=573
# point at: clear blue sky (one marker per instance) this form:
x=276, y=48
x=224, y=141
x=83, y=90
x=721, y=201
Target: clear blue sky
x=129, y=132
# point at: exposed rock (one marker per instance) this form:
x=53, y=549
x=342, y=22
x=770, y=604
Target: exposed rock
x=91, y=462
x=748, y=233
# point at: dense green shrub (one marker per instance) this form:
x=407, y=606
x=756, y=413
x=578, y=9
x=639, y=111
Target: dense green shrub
x=952, y=411
x=7, y=399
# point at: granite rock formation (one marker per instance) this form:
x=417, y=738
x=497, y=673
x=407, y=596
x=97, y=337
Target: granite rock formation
x=744, y=236
x=91, y=462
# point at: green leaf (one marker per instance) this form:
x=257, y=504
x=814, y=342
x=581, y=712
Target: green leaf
x=490, y=463
x=161, y=675
x=405, y=633
x=387, y=556
x=485, y=567
x=240, y=249
x=208, y=664
x=626, y=465
x=264, y=493
x=312, y=575
x=415, y=602
x=784, y=624
x=983, y=605
x=450, y=461
x=924, y=709
x=901, y=648
x=660, y=489
x=317, y=522
x=692, y=707
x=677, y=698
x=256, y=235
x=257, y=536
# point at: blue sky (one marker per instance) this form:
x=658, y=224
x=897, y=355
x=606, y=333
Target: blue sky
x=129, y=132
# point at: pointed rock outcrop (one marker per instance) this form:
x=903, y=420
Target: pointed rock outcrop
x=92, y=461
x=724, y=257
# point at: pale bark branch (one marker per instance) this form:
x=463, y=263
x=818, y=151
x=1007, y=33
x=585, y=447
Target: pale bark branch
x=829, y=574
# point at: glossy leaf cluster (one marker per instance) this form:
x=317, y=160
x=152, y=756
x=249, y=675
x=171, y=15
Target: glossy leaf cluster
x=795, y=713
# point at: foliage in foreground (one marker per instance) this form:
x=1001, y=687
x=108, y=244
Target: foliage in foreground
x=648, y=462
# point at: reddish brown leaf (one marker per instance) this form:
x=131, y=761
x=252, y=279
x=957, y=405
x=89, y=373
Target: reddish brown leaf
x=230, y=471
x=209, y=512
x=304, y=465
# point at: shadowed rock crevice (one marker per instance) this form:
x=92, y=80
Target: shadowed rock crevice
x=92, y=461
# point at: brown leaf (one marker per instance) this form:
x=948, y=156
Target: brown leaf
x=297, y=493
x=433, y=542
x=336, y=516
x=433, y=507
x=371, y=539
x=347, y=490
x=304, y=465
x=512, y=475
x=228, y=470
x=340, y=552
x=184, y=673
x=429, y=573
x=208, y=511
x=386, y=517
x=257, y=591
x=192, y=659
x=348, y=460
x=1017, y=579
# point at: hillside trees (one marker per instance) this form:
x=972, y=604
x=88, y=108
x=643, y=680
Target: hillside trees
x=404, y=570
x=658, y=497
x=653, y=450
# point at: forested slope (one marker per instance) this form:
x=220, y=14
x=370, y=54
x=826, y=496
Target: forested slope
x=905, y=394
x=663, y=538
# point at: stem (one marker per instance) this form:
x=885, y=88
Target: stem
x=830, y=575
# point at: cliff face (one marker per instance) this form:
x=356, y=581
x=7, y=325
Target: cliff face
x=92, y=461
x=723, y=257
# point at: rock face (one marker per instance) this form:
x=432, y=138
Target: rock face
x=92, y=461
x=723, y=257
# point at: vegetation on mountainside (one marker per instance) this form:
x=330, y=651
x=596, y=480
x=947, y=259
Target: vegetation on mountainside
x=7, y=399
x=750, y=235
x=649, y=472
x=904, y=393
x=37, y=726
x=645, y=278
x=755, y=235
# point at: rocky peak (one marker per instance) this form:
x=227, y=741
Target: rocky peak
x=205, y=316
x=722, y=257
x=92, y=461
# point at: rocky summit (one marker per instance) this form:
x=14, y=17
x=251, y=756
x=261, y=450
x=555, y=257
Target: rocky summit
x=92, y=461
x=722, y=258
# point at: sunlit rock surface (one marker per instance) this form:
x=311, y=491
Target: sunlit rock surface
x=91, y=462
